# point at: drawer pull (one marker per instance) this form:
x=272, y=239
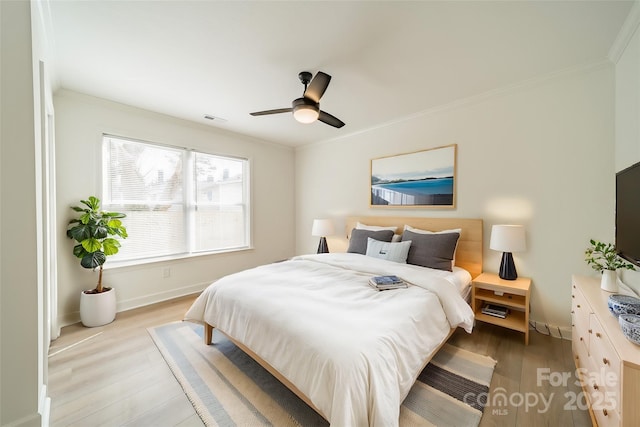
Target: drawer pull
x=578, y=305
x=605, y=361
x=581, y=339
x=604, y=411
x=595, y=387
x=598, y=334
x=590, y=331
x=572, y=311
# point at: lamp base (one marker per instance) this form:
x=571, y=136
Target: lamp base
x=507, y=267
x=322, y=246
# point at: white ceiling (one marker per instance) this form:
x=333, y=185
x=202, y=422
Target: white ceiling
x=388, y=59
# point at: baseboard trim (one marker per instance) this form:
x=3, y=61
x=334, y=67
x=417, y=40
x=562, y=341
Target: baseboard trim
x=44, y=406
x=129, y=304
x=145, y=300
x=33, y=420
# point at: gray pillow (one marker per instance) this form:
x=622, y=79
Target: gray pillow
x=431, y=250
x=358, y=239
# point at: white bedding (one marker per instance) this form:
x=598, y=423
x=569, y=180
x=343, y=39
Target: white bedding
x=353, y=351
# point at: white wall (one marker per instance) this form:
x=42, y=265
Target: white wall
x=627, y=105
x=80, y=122
x=539, y=154
x=627, y=108
x=23, y=399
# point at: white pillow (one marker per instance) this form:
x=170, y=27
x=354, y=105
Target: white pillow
x=361, y=226
x=390, y=251
x=418, y=230
x=453, y=230
x=395, y=238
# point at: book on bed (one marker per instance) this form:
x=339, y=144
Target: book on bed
x=382, y=283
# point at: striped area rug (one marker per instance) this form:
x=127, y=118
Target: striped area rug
x=228, y=388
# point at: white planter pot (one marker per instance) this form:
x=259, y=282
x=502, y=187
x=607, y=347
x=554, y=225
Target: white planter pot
x=609, y=281
x=98, y=309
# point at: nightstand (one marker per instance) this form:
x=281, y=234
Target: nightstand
x=489, y=288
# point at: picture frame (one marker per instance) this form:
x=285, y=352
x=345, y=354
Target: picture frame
x=421, y=179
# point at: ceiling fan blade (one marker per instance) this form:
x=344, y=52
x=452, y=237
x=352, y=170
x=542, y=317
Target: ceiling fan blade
x=330, y=120
x=318, y=85
x=266, y=112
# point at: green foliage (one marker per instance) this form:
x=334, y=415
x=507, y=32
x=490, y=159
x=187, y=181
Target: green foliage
x=603, y=256
x=94, y=231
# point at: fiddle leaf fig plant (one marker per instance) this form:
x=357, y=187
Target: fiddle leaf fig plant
x=96, y=233
x=603, y=256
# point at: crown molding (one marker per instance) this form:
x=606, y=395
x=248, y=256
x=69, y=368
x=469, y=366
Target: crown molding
x=626, y=33
x=474, y=99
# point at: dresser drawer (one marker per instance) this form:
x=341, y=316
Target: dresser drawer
x=611, y=369
x=602, y=351
x=580, y=312
x=601, y=348
x=580, y=351
x=606, y=418
x=602, y=397
x=606, y=363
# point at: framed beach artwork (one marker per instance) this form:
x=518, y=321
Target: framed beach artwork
x=423, y=179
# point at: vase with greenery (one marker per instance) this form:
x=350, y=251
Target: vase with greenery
x=95, y=231
x=603, y=258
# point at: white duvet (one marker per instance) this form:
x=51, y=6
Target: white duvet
x=353, y=351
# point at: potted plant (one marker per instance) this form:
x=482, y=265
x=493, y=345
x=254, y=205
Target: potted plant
x=603, y=258
x=96, y=233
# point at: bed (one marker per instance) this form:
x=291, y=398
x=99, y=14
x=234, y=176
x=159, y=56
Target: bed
x=349, y=351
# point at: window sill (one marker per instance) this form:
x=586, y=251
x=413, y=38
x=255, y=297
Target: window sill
x=139, y=262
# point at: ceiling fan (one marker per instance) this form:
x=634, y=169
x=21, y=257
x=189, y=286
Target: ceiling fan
x=307, y=109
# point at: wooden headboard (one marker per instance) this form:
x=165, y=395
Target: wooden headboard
x=469, y=252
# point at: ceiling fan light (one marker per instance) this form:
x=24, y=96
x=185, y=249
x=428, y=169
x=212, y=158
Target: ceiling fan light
x=306, y=113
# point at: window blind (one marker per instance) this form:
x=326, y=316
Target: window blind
x=177, y=201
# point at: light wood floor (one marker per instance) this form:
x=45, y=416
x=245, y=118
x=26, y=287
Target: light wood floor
x=114, y=375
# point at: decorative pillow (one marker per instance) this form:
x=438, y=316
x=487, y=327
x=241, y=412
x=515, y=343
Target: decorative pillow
x=421, y=231
x=358, y=239
x=361, y=226
x=390, y=251
x=433, y=250
x=395, y=238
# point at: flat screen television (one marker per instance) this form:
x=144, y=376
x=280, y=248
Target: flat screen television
x=628, y=213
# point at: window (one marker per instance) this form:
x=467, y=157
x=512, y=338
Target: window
x=178, y=202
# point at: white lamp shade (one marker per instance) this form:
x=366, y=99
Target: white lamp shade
x=507, y=238
x=322, y=227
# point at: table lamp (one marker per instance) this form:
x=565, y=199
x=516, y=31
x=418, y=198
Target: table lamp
x=322, y=228
x=508, y=239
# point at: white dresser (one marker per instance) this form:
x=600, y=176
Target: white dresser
x=608, y=362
